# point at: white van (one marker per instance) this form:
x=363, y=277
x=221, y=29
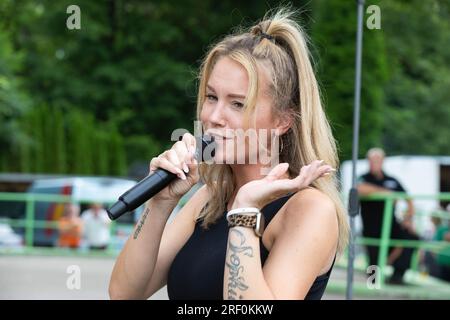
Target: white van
x=82, y=191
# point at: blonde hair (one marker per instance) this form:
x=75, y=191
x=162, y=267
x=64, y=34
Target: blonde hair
x=375, y=151
x=278, y=44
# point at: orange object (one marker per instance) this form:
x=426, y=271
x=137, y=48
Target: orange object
x=70, y=232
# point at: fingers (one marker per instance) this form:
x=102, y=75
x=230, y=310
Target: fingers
x=178, y=158
x=162, y=162
x=311, y=172
x=318, y=168
x=186, y=151
x=308, y=173
x=190, y=143
x=326, y=170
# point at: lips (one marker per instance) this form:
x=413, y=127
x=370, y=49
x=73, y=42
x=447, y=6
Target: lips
x=218, y=136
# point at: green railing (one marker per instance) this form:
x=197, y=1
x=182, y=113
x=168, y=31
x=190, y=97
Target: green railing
x=29, y=223
x=385, y=241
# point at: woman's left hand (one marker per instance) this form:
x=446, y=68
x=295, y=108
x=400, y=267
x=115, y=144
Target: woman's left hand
x=258, y=193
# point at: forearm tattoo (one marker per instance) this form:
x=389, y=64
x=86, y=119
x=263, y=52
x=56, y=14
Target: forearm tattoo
x=237, y=248
x=141, y=223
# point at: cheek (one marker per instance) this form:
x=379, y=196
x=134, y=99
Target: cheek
x=205, y=115
x=265, y=130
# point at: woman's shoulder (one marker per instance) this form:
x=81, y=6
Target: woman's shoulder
x=300, y=208
x=311, y=196
x=307, y=219
x=309, y=203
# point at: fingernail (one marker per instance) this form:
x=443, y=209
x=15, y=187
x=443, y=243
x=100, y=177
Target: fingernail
x=181, y=174
x=185, y=168
x=320, y=161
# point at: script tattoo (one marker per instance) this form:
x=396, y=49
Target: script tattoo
x=141, y=223
x=235, y=279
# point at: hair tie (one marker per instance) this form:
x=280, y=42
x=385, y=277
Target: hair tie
x=267, y=36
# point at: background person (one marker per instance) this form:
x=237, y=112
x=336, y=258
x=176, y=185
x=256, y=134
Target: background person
x=70, y=227
x=96, y=227
x=376, y=181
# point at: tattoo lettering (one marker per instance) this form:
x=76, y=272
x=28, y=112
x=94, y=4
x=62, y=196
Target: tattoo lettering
x=235, y=279
x=141, y=223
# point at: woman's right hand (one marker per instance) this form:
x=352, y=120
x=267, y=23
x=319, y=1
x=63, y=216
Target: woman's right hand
x=180, y=161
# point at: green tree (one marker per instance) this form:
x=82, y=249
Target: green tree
x=132, y=62
x=418, y=95
x=334, y=37
x=13, y=103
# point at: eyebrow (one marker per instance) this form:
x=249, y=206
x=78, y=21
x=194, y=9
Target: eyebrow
x=231, y=95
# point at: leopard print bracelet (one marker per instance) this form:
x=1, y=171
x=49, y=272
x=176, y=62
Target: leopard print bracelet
x=242, y=220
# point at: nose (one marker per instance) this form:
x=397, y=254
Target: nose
x=216, y=117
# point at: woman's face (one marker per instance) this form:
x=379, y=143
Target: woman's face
x=222, y=113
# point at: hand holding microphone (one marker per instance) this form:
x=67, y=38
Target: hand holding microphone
x=162, y=184
x=179, y=160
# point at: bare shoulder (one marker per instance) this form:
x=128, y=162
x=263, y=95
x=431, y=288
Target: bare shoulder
x=312, y=206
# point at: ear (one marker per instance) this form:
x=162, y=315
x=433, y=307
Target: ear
x=282, y=123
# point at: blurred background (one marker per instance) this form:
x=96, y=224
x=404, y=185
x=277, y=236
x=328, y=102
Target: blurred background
x=83, y=111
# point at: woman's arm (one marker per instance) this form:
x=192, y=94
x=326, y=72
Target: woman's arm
x=135, y=265
x=301, y=251
x=142, y=266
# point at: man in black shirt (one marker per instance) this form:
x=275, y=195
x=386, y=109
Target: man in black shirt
x=377, y=181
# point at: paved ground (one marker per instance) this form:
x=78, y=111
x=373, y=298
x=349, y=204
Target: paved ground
x=53, y=277
x=37, y=277
x=31, y=277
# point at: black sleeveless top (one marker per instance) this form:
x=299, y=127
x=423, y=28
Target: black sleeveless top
x=197, y=271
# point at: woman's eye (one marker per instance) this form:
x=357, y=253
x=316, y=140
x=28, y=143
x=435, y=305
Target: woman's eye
x=211, y=97
x=238, y=104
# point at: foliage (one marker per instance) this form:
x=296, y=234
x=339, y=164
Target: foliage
x=105, y=98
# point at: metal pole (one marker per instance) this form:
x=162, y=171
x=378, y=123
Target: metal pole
x=353, y=197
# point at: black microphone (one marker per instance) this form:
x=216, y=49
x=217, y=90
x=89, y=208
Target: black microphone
x=158, y=180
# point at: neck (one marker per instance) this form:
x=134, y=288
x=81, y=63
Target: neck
x=378, y=174
x=242, y=174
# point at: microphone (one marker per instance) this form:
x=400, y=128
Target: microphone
x=158, y=180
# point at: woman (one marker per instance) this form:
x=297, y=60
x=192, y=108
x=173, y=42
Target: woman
x=216, y=247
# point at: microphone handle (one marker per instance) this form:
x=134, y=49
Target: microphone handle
x=141, y=192
x=158, y=180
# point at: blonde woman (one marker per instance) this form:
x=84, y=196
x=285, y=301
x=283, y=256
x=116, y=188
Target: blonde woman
x=245, y=234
